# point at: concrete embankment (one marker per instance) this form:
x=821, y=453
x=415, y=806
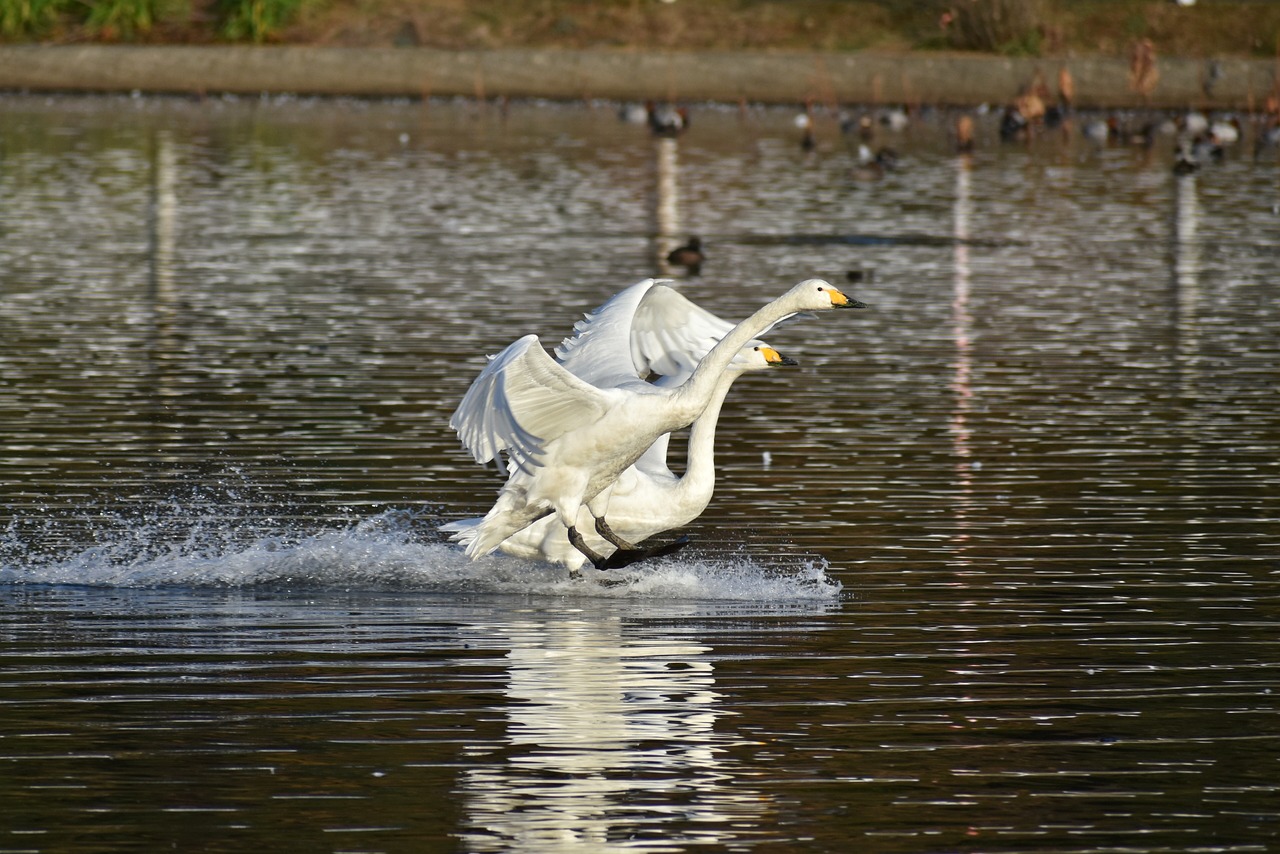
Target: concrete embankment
x=768, y=77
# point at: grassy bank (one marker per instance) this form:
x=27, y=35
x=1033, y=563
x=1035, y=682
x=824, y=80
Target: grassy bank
x=1210, y=28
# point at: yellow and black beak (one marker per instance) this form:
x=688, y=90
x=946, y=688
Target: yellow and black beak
x=840, y=300
x=776, y=359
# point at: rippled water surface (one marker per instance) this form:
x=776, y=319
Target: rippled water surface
x=997, y=568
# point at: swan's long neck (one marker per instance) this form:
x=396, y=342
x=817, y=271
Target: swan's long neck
x=698, y=388
x=700, y=464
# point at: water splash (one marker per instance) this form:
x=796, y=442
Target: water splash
x=395, y=550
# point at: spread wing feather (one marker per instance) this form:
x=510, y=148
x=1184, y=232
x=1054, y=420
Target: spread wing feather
x=670, y=334
x=522, y=401
x=648, y=328
x=599, y=350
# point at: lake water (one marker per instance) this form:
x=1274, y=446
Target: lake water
x=997, y=568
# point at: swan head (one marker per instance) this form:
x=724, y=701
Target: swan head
x=818, y=295
x=774, y=359
x=759, y=357
x=763, y=356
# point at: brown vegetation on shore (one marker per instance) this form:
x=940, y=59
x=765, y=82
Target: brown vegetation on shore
x=1012, y=27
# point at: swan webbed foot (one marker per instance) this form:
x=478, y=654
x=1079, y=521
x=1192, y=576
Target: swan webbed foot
x=603, y=529
x=597, y=559
x=626, y=557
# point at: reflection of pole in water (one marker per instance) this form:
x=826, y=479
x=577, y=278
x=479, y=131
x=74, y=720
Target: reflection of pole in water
x=606, y=734
x=1186, y=270
x=163, y=219
x=666, y=201
x=962, y=325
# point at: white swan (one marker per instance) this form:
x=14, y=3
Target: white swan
x=660, y=332
x=568, y=440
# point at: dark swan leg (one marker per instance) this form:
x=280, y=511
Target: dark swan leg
x=603, y=529
x=597, y=560
x=626, y=557
x=622, y=557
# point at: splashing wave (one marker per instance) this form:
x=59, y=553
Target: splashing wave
x=392, y=552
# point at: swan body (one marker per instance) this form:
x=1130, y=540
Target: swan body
x=660, y=332
x=568, y=440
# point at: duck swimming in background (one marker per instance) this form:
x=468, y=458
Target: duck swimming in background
x=1190, y=155
x=1100, y=131
x=1206, y=149
x=1225, y=131
x=667, y=121
x=1184, y=163
x=1268, y=135
x=568, y=440
x=1014, y=126
x=807, y=142
x=804, y=122
x=633, y=114
x=873, y=167
x=1193, y=123
x=895, y=119
x=689, y=256
x=861, y=124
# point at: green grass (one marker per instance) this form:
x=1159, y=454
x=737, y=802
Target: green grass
x=21, y=19
x=121, y=18
x=255, y=20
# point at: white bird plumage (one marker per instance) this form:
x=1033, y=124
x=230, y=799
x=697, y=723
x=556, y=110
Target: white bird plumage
x=567, y=440
x=648, y=328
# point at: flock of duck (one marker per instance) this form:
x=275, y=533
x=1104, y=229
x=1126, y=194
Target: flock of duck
x=1196, y=138
x=585, y=433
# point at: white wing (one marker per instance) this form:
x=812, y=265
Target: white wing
x=670, y=334
x=649, y=328
x=599, y=350
x=522, y=401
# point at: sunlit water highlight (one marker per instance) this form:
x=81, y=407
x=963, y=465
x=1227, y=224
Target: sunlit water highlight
x=995, y=569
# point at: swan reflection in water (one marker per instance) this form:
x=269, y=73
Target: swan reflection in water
x=610, y=739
